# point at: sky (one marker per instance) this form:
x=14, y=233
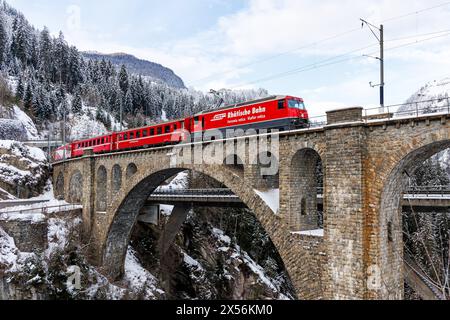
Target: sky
x=305, y=48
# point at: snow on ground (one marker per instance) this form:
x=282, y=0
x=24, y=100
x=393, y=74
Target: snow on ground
x=6, y=195
x=58, y=234
x=164, y=115
x=166, y=210
x=220, y=235
x=11, y=259
x=139, y=279
x=20, y=150
x=8, y=250
x=312, y=233
x=192, y=263
x=30, y=127
x=86, y=124
x=271, y=198
x=237, y=253
x=179, y=182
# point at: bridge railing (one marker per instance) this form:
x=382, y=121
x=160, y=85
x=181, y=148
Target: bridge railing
x=396, y=111
x=42, y=210
x=427, y=191
x=192, y=192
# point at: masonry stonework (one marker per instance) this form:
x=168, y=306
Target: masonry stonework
x=364, y=166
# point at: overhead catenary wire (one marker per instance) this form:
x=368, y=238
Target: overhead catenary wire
x=329, y=61
x=315, y=43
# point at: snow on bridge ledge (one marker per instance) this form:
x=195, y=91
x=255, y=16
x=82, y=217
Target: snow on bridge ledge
x=311, y=233
x=271, y=198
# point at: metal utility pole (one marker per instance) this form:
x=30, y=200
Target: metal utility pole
x=64, y=130
x=380, y=39
x=121, y=110
x=217, y=95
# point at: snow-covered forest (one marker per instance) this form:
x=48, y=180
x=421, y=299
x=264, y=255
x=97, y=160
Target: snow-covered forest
x=52, y=78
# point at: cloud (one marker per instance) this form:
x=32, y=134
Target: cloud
x=212, y=58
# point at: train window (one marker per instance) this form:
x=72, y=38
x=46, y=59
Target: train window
x=131, y=135
x=159, y=130
x=281, y=104
x=125, y=136
x=196, y=120
x=295, y=104
x=167, y=129
x=145, y=133
x=175, y=127
x=138, y=134
x=152, y=132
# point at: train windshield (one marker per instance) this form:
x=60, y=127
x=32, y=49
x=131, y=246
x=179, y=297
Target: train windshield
x=296, y=104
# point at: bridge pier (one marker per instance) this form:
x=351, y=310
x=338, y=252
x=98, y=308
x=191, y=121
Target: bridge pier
x=344, y=194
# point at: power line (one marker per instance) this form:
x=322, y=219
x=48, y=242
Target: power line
x=308, y=67
x=418, y=35
x=324, y=63
x=279, y=55
x=316, y=43
x=418, y=12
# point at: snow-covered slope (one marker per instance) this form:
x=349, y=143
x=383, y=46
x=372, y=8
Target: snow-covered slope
x=23, y=170
x=431, y=98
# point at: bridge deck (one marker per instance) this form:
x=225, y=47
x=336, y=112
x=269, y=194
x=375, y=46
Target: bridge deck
x=426, y=197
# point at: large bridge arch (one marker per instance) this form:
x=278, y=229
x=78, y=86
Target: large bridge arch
x=386, y=190
x=124, y=213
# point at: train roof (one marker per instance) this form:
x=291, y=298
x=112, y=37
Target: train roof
x=267, y=99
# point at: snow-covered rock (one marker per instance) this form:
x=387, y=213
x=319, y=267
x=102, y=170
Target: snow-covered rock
x=434, y=97
x=23, y=170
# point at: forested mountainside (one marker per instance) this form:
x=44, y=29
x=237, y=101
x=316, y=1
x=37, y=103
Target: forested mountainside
x=150, y=70
x=51, y=78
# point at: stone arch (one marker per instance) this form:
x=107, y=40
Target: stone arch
x=304, y=182
x=76, y=187
x=101, y=190
x=59, y=186
x=116, y=178
x=235, y=163
x=390, y=231
x=117, y=238
x=131, y=170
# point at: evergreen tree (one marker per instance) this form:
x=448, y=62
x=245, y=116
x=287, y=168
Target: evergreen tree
x=20, y=44
x=77, y=104
x=3, y=41
x=20, y=89
x=45, y=53
x=28, y=97
x=123, y=79
x=128, y=103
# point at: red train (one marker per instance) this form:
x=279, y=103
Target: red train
x=276, y=112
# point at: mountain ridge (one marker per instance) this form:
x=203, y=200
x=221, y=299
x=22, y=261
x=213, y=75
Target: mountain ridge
x=138, y=66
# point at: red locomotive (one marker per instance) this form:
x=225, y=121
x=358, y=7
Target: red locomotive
x=276, y=112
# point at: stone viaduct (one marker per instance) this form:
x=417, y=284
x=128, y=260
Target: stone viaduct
x=366, y=165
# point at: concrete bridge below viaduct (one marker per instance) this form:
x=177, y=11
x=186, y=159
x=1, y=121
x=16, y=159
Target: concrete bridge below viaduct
x=366, y=165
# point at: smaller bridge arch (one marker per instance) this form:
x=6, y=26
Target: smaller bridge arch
x=116, y=178
x=304, y=182
x=131, y=170
x=76, y=187
x=101, y=190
